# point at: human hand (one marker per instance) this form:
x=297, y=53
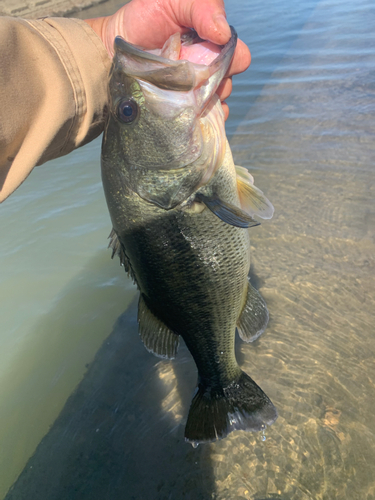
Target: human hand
x=150, y=23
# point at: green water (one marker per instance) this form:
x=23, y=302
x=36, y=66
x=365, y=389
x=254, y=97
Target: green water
x=302, y=121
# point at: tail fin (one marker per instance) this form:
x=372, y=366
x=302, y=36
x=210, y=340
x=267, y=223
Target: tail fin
x=215, y=413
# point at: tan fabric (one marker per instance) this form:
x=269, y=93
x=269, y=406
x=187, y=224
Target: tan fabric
x=53, y=79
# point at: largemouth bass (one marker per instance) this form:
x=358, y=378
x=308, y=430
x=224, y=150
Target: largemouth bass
x=181, y=213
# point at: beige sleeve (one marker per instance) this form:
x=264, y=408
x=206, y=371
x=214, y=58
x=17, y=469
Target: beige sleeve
x=53, y=93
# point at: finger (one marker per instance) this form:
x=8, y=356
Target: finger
x=241, y=59
x=225, y=88
x=225, y=109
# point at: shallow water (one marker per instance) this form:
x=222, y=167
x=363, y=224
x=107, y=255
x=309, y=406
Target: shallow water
x=302, y=121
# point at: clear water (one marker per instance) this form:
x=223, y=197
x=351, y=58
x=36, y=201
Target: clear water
x=302, y=121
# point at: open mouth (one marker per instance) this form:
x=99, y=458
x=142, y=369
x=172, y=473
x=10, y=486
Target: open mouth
x=184, y=63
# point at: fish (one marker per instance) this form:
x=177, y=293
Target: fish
x=182, y=213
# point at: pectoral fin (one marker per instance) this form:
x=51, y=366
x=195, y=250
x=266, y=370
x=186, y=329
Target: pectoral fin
x=252, y=199
x=155, y=335
x=254, y=317
x=227, y=212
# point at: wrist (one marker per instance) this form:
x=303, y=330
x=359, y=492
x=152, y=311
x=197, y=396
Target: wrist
x=96, y=24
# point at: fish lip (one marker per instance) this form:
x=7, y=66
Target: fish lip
x=127, y=48
x=227, y=50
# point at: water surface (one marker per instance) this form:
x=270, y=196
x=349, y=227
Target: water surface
x=302, y=121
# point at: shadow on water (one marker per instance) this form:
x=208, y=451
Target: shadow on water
x=114, y=438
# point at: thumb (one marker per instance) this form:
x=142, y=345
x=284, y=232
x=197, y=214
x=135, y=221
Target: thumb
x=209, y=21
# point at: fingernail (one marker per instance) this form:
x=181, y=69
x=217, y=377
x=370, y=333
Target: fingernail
x=222, y=27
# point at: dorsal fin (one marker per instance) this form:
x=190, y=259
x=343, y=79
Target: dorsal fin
x=118, y=249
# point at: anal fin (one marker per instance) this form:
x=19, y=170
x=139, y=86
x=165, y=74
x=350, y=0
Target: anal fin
x=155, y=335
x=254, y=317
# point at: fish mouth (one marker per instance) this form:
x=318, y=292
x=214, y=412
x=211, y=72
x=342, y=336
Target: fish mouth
x=178, y=75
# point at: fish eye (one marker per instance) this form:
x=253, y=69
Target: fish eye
x=127, y=111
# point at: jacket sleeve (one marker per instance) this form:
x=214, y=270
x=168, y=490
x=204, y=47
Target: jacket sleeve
x=53, y=92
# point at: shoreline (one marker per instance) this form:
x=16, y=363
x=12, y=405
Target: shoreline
x=42, y=8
